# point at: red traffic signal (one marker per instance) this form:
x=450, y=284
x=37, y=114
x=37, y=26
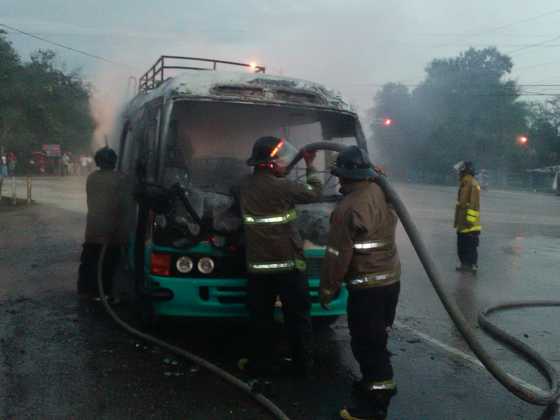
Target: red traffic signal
x=387, y=122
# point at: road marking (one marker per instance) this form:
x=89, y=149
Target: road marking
x=456, y=352
x=441, y=345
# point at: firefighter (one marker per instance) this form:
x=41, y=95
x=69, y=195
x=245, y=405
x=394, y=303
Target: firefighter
x=361, y=252
x=274, y=253
x=467, y=217
x=106, y=195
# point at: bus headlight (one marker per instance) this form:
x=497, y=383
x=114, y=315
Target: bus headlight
x=184, y=265
x=205, y=265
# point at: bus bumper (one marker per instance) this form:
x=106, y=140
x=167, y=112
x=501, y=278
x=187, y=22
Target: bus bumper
x=225, y=298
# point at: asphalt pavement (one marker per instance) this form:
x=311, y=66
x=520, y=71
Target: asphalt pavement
x=61, y=358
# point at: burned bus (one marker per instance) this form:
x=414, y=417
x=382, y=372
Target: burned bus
x=185, y=140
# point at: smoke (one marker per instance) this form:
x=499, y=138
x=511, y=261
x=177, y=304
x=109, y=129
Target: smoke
x=107, y=102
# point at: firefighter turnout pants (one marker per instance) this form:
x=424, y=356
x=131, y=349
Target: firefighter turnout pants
x=293, y=289
x=467, y=244
x=370, y=311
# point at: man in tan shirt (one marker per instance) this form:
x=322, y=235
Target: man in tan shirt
x=106, y=202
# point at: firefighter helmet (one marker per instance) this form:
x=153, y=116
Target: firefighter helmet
x=270, y=149
x=353, y=163
x=464, y=166
x=105, y=158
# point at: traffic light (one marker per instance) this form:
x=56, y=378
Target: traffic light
x=387, y=122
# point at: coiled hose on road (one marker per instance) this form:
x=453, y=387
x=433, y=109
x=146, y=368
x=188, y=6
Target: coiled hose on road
x=532, y=396
x=239, y=384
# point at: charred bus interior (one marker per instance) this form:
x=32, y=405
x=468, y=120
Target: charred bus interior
x=206, y=149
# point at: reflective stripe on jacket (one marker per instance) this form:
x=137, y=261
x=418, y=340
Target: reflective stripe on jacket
x=273, y=243
x=287, y=217
x=467, y=210
x=274, y=267
x=361, y=248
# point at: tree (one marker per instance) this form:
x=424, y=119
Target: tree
x=11, y=116
x=544, y=132
x=41, y=103
x=59, y=103
x=393, y=105
x=464, y=109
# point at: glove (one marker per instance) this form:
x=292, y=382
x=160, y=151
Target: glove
x=325, y=297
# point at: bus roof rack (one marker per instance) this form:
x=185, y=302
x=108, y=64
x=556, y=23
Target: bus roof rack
x=160, y=70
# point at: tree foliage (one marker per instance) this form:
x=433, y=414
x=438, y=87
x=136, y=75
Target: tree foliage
x=544, y=132
x=464, y=109
x=41, y=103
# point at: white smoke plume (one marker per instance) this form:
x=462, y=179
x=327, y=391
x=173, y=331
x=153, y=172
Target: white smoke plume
x=108, y=99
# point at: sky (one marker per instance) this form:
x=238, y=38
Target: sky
x=351, y=46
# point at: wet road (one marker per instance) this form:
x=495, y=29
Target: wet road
x=62, y=359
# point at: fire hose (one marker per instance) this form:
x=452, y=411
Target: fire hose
x=239, y=384
x=532, y=396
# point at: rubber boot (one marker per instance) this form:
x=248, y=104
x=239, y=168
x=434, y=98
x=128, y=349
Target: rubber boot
x=465, y=268
x=366, y=409
x=373, y=400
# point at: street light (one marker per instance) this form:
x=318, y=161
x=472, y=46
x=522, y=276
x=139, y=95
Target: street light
x=522, y=140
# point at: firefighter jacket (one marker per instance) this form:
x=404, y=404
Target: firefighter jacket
x=361, y=248
x=273, y=243
x=108, y=198
x=467, y=210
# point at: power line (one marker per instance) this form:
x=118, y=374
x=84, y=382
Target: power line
x=484, y=45
x=538, y=44
x=530, y=19
x=498, y=28
x=494, y=29
x=377, y=84
x=537, y=65
x=97, y=57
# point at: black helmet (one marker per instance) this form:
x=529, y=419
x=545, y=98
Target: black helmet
x=353, y=163
x=262, y=149
x=105, y=158
x=464, y=166
x=269, y=149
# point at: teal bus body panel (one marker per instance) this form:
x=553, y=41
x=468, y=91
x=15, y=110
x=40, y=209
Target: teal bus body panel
x=188, y=301
x=222, y=297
